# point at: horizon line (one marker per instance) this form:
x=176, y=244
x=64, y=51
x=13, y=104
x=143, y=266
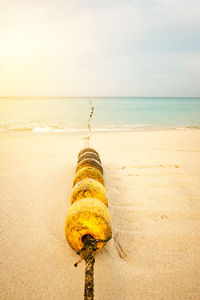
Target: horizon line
x=99, y=97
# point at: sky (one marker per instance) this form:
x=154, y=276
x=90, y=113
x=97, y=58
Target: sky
x=99, y=48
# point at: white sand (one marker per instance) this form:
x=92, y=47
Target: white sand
x=153, y=184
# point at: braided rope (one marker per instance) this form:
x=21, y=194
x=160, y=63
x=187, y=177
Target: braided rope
x=87, y=138
x=89, y=247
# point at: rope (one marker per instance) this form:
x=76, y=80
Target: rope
x=90, y=246
x=87, y=138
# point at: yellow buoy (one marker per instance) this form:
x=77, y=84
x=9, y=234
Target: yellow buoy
x=89, y=188
x=88, y=216
x=89, y=155
x=89, y=162
x=87, y=150
x=88, y=172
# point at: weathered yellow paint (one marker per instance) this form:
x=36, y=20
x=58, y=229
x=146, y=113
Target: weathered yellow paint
x=89, y=155
x=87, y=216
x=89, y=188
x=88, y=172
x=89, y=162
x=87, y=150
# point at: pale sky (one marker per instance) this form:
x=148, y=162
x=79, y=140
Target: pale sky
x=100, y=48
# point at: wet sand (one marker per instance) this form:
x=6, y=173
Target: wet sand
x=152, y=180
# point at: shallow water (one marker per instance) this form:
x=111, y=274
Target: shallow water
x=71, y=114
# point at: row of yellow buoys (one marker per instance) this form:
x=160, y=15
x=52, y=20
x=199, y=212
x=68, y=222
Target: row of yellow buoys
x=88, y=214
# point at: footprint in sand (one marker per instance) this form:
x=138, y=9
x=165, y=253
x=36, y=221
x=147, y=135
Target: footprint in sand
x=164, y=217
x=156, y=166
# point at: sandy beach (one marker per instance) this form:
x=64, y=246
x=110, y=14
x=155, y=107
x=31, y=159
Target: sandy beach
x=152, y=180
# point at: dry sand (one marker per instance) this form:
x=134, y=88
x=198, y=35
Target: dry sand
x=153, y=184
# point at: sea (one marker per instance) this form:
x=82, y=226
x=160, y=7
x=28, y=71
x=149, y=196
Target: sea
x=64, y=115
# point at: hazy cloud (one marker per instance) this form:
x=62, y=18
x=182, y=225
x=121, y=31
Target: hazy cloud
x=107, y=47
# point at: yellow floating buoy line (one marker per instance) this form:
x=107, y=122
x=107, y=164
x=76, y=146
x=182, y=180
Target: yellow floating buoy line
x=88, y=222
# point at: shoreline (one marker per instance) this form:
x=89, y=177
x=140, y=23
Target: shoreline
x=49, y=130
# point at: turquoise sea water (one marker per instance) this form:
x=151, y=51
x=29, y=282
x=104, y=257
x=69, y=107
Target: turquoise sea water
x=71, y=114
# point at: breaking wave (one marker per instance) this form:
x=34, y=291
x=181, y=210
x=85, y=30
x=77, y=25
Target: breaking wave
x=58, y=128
